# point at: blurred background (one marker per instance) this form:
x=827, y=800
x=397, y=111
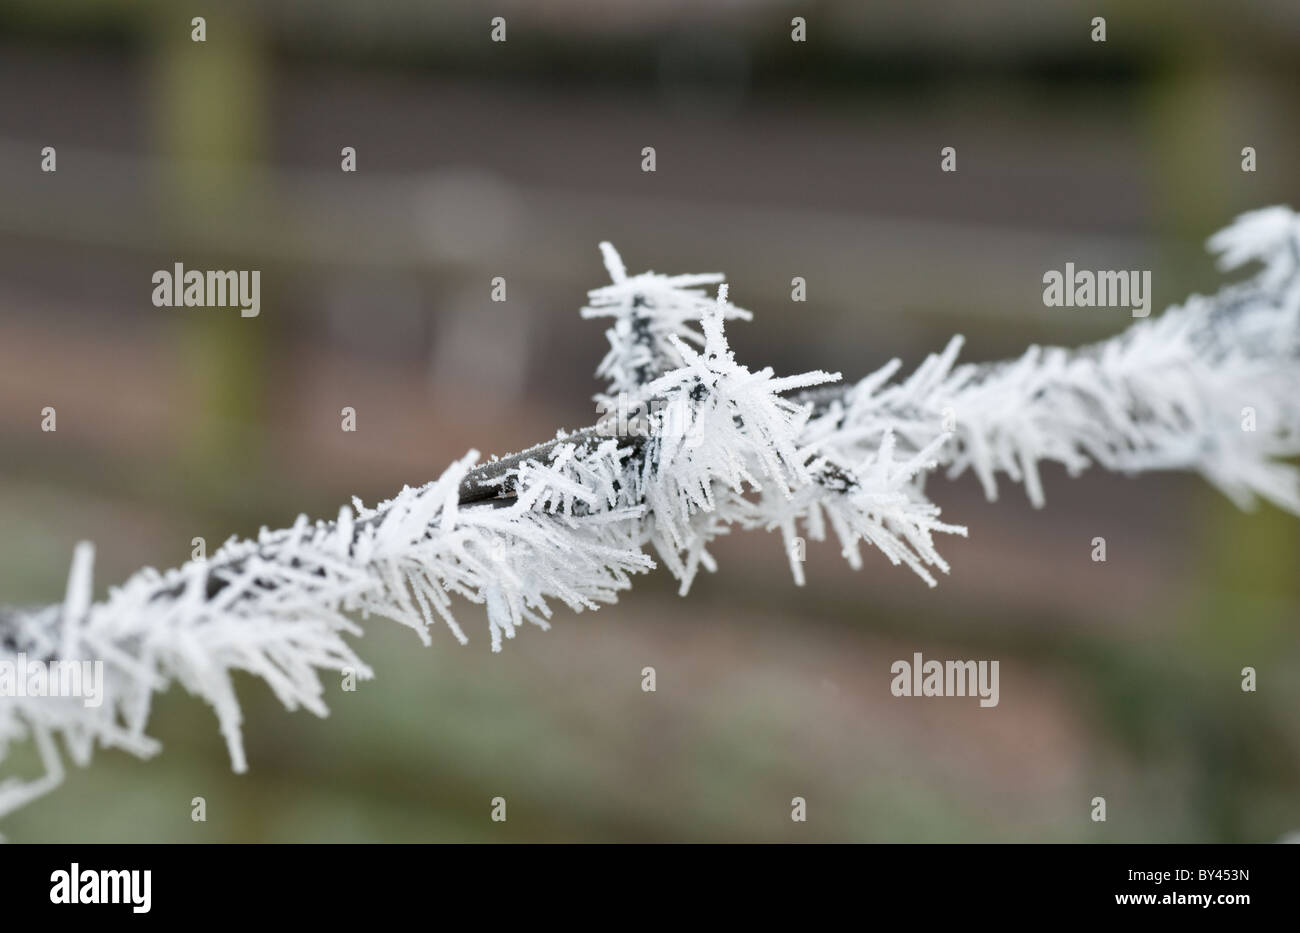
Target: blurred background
x=774, y=159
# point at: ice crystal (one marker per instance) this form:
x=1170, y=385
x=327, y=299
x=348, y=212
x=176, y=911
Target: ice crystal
x=569, y=521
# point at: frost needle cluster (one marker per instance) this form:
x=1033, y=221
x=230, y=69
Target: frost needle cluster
x=571, y=521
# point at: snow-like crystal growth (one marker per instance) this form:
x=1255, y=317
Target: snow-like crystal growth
x=654, y=315
x=569, y=521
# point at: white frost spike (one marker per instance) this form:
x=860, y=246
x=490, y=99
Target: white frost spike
x=720, y=426
x=568, y=522
x=877, y=502
x=78, y=595
x=648, y=310
x=1266, y=234
x=613, y=263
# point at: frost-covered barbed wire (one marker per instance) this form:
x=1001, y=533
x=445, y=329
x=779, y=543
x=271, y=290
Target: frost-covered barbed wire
x=569, y=521
x=1211, y=386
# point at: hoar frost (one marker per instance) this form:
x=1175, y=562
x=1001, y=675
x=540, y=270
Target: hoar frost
x=569, y=522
